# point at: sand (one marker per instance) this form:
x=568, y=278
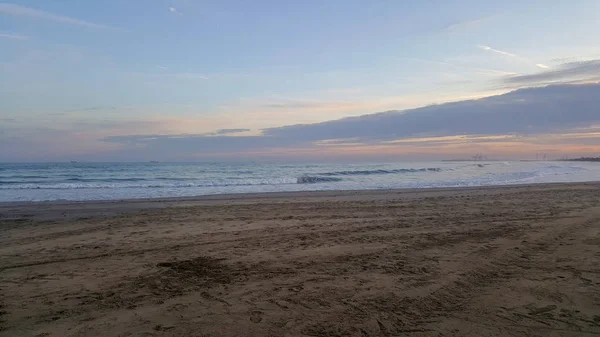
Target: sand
x=507, y=261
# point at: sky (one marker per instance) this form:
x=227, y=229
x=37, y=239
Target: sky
x=186, y=80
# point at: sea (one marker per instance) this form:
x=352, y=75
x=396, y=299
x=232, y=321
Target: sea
x=116, y=181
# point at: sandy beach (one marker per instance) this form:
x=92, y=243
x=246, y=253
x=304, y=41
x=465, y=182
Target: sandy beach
x=501, y=261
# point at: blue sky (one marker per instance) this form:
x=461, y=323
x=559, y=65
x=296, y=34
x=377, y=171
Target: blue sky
x=73, y=73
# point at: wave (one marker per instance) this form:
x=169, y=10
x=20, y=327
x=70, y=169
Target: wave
x=150, y=185
x=25, y=177
x=103, y=184
x=26, y=180
x=315, y=179
x=115, y=180
x=105, y=180
x=369, y=172
x=174, y=179
x=569, y=167
x=52, y=179
x=10, y=182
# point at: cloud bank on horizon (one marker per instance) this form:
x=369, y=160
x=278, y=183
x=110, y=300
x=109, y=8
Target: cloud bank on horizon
x=566, y=114
x=102, y=82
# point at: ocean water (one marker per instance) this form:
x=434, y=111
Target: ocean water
x=112, y=181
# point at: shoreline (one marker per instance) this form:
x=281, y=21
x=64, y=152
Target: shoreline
x=283, y=194
x=84, y=208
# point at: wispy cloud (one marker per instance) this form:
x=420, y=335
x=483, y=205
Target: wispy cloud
x=312, y=105
x=14, y=36
x=566, y=73
x=457, y=66
x=468, y=24
x=513, y=56
x=490, y=49
x=174, y=11
x=16, y=10
x=92, y=109
x=227, y=132
x=571, y=59
x=464, y=24
x=163, y=73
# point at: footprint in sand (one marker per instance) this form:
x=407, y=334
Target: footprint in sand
x=296, y=288
x=542, y=310
x=256, y=316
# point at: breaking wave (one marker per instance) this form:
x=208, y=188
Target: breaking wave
x=315, y=179
x=369, y=172
x=135, y=184
x=332, y=176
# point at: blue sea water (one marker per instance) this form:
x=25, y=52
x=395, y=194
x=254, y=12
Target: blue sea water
x=112, y=181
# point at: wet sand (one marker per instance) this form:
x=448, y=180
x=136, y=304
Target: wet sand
x=503, y=261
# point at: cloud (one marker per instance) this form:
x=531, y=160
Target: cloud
x=532, y=110
x=453, y=139
x=457, y=66
x=468, y=24
x=225, y=133
x=190, y=145
x=464, y=24
x=568, y=72
x=162, y=67
x=493, y=121
x=13, y=36
x=165, y=74
x=229, y=131
x=92, y=108
x=573, y=59
x=513, y=56
x=95, y=125
x=16, y=10
x=174, y=11
x=321, y=106
x=490, y=49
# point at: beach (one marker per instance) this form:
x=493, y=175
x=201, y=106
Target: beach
x=485, y=261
